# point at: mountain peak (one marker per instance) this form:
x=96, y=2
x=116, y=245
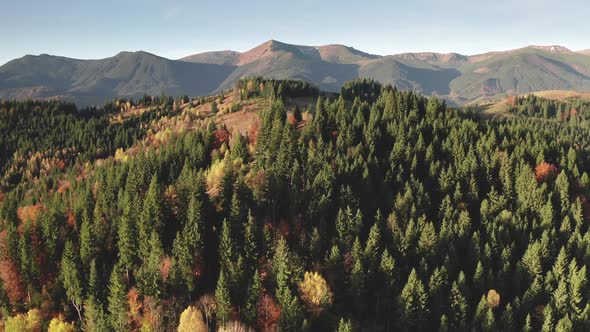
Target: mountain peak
x=552, y=48
x=139, y=53
x=263, y=50
x=338, y=53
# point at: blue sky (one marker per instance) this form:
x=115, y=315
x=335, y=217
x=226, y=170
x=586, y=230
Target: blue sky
x=175, y=28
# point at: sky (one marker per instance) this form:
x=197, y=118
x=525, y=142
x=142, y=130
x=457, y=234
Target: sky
x=88, y=29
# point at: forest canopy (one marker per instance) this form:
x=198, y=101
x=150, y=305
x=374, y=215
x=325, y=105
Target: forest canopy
x=378, y=210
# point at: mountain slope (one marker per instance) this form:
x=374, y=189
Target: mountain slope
x=129, y=74
x=458, y=78
x=521, y=71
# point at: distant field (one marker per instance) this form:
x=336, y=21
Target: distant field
x=561, y=94
x=500, y=108
x=494, y=109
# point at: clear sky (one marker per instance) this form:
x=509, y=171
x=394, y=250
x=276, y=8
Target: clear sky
x=174, y=28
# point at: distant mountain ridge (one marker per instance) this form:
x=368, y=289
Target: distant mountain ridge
x=458, y=78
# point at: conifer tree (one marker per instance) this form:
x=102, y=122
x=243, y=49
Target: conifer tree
x=345, y=325
x=117, y=306
x=458, y=309
x=150, y=218
x=70, y=277
x=222, y=298
x=249, y=311
x=126, y=238
x=413, y=304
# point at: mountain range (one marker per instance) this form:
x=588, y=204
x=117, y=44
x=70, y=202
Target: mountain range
x=460, y=79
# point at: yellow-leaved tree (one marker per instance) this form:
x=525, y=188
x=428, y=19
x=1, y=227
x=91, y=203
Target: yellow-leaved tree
x=191, y=320
x=315, y=293
x=58, y=324
x=493, y=299
x=29, y=322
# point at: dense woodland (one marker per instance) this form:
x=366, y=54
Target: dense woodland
x=381, y=210
x=574, y=110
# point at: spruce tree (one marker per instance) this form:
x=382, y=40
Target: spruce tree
x=413, y=303
x=222, y=298
x=249, y=310
x=70, y=277
x=117, y=301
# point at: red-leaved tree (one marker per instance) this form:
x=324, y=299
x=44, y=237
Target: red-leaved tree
x=545, y=172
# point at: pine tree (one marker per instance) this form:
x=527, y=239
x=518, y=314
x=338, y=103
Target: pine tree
x=149, y=274
x=562, y=185
x=28, y=268
x=578, y=291
x=549, y=321
x=345, y=325
x=480, y=313
x=249, y=310
x=444, y=324
x=70, y=277
x=371, y=253
x=291, y=311
x=561, y=298
x=222, y=298
x=348, y=226
x=239, y=149
x=413, y=303
x=315, y=243
x=150, y=218
x=489, y=323
x=126, y=238
x=95, y=319
x=188, y=244
x=458, y=309
x=251, y=242
x=507, y=319
x=117, y=301
x=226, y=248
x=564, y=325
x=428, y=242
x=87, y=246
x=388, y=270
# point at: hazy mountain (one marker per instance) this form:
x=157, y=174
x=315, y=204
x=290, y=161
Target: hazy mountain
x=460, y=79
x=93, y=81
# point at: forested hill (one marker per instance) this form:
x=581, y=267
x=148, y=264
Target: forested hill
x=276, y=207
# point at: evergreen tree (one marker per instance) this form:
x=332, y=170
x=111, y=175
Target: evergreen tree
x=70, y=277
x=249, y=310
x=117, y=301
x=413, y=303
x=150, y=218
x=222, y=298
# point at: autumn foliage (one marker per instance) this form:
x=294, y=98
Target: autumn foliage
x=234, y=326
x=268, y=313
x=315, y=293
x=545, y=172
x=191, y=320
x=29, y=322
x=221, y=136
x=11, y=281
x=59, y=325
x=29, y=212
x=291, y=119
x=493, y=299
x=135, y=306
